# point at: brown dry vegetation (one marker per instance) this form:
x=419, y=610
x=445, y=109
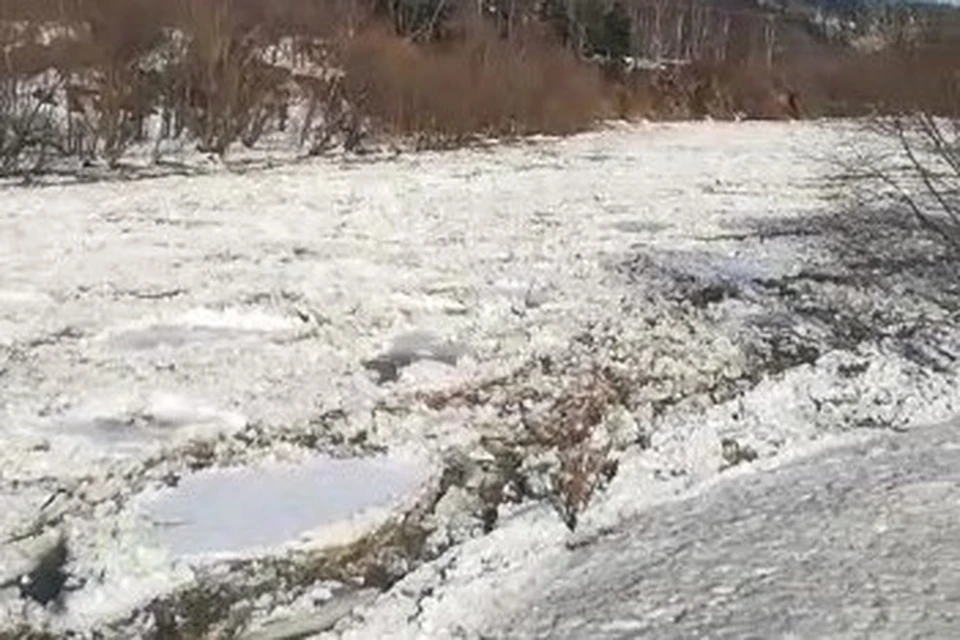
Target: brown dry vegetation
x=480, y=85
x=834, y=84
x=86, y=79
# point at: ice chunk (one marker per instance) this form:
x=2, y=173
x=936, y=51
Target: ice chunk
x=200, y=325
x=412, y=347
x=117, y=420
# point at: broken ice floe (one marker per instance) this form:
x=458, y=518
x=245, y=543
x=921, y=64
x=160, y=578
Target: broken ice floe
x=639, y=226
x=412, y=347
x=226, y=512
x=733, y=267
x=22, y=297
x=201, y=326
x=316, y=612
x=123, y=421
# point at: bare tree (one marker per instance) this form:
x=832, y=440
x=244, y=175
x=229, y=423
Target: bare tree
x=929, y=186
x=30, y=135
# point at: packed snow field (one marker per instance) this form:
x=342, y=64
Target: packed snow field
x=361, y=397
x=855, y=541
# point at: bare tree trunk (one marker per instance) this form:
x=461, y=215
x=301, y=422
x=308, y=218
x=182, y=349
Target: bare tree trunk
x=658, y=32
x=769, y=40
x=724, y=43
x=678, y=36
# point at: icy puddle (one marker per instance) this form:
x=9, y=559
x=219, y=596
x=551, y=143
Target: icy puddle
x=242, y=511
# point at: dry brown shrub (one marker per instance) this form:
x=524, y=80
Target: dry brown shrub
x=896, y=81
x=217, y=84
x=564, y=450
x=115, y=36
x=30, y=135
x=479, y=85
x=29, y=131
x=222, y=88
x=917, y=75
x=698, y=90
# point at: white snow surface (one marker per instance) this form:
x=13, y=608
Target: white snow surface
x=148, y=324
